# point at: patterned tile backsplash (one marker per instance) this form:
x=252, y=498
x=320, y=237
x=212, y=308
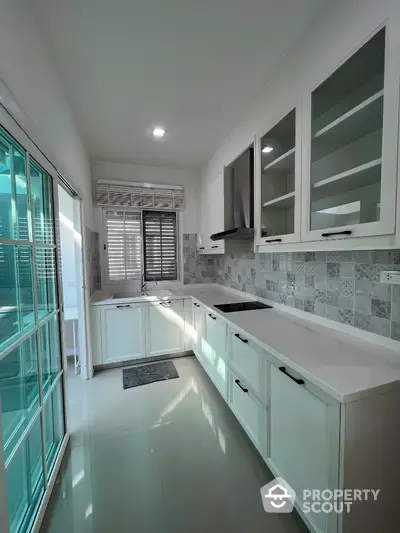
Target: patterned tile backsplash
x=341, y=286
x=196, y=268
x=92, y=256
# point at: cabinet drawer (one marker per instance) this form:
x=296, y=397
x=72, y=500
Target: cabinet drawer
x=246, y=360
x=246, y=406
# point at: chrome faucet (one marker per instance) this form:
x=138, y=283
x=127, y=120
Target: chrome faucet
x=143, y=285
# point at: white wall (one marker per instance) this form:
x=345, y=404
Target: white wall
x=27, y=72
x=339, y=30
x=121, y=171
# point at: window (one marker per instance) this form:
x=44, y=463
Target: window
x=141, y=242
x=159, y=245
x=124, y=245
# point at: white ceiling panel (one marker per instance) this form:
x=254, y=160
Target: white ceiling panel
x=192, y=66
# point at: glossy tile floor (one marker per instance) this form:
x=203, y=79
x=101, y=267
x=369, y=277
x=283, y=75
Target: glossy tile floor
x=168, y=457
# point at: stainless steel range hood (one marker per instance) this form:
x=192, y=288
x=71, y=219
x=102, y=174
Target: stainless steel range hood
x=239, y=199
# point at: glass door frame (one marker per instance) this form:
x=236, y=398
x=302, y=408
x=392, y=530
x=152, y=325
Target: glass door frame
x=31, y=151
x=390, y=123
x=84, y=321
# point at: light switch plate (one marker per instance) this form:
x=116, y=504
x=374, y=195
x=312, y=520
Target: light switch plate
x=390, y=276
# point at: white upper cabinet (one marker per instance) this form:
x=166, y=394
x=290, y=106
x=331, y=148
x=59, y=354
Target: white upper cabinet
x=326, y=172
x=203, y=237
x=216, y=212
x=211, y=216
x=279, y=185
x=350, y=149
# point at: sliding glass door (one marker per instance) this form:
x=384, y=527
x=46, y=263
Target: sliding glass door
x=31, y=384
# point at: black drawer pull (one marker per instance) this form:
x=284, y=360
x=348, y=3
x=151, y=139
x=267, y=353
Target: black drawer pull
x=240, y=338
x=298, y=381
x=345, y=232
x=164, y=303
x=273, y=240
x=211, y=316
x=122, y=306
x=237, y=381
x=201, y=248
x=216, y=246
x=196, y=305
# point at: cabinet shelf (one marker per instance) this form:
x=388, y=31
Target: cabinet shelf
x=283, y=163
x=287, y=200
x=355, y=178
x=362, y=119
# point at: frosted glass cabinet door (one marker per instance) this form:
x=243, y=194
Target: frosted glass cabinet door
x=351, y=159
x=122, y=332
x=280, y=181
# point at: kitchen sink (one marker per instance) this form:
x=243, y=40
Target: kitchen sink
x=152, y=293
x=133, y=294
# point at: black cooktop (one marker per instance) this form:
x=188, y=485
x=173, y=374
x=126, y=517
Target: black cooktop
x=242, y=306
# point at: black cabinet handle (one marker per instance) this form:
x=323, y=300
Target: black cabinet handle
x=201, y=248
x=216, y=246
x=237, y=381
x=240, y=338
x=298, y=381
x=164, y=303
x=122, y=306
x=345, y=232
x=273, y=240
x=196, y=305
x=211, y=316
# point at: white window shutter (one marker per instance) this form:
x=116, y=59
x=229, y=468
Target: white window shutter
x=124, y=245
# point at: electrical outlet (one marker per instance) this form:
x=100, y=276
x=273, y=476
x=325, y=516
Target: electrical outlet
x=390, y=276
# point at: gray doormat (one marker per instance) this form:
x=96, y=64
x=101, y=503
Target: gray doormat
x=145, y=374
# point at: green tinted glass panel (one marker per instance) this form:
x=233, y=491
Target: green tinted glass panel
x=19, y=392
x=16, y=292
x=46, y=281
x=25, y=481
x=6, y=204
x=22, y=221
x=9, y=321
x=42, y=205
x=50, y=352
x=25, y=282
x=54, y=425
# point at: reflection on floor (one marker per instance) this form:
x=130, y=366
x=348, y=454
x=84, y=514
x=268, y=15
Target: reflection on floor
x=162, y=458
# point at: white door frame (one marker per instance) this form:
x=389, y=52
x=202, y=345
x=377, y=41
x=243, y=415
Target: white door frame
x=83, y=285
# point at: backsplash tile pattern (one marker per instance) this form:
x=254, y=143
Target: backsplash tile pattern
x=341, y=286
x=196, y=268
x=92, y=256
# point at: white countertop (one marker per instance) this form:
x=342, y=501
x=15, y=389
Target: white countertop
x=342, y=365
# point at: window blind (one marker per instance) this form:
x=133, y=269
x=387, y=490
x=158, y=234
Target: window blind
x=138, y=195
x=160, y=245
x=124, y=245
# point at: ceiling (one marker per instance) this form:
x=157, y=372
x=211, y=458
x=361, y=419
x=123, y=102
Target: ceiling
x=190, y=65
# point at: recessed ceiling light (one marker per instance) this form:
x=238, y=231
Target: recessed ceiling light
x=158, y=132
x=267, y=149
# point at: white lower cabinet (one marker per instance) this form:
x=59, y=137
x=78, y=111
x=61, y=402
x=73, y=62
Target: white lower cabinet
x=246, y=359
x=214, y=351
x=247, y=408
x=122, y=331
x=303, y=445
x=165, y=331
x=199, y=317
